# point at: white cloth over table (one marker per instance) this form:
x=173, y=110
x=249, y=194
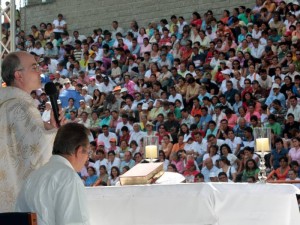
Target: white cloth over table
x=191, y=204
x=156, y=204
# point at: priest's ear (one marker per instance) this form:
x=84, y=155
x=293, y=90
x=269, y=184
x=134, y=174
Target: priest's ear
x=18, y=76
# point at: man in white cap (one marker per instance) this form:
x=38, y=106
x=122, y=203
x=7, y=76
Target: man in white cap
x=68, y=85
x=86, y=96
x=124, y=93
x=84, y=108
x=276, y=95
x=213, y=177
x=226, y=75
x=58, y=79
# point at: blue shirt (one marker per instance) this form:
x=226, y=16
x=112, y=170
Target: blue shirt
x=136, y=51
x=109, y=43
x=280, y=97
x=131, y=164
x=277, y=155
x=214, y=132
x=236, y=107
x=90, y=180
x=105, y=121
x=204, y=121
x=206, y=172
x=200, y=97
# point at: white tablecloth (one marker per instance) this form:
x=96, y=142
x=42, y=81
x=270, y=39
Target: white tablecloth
x=191, y=204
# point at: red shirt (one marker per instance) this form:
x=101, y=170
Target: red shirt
x=163, y=41
x=126, y=138
x=197, y=22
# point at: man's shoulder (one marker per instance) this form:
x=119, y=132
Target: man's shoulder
x=111, y=134
x=52, y=172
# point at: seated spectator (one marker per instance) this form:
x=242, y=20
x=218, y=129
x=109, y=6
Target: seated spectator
x=113, y=161
x=100, y=159
x=275, y=95
x=295, y=166
x=128, y=161
x=225, y=167
x=279, y=112
x=163, y=158
x=281, y=172
x=277, y=153
x=212, y=129
x=274, y=125
x=233, y=142
x=190, y=171
x=166, y=146
x=218, y=115
x=208, y=169
x=204, y=119
x=294, y=152
x=199, y=178
x=234, y=161
x=114, y=177
x=294, y=108
x=92, y=177
x=223, y=130
x=251, y=112
x=239, y=129
x=289, y=126
x=231, y=118
x=138, y=158
x=211, y=153
x=251, y=170
x=293, y=176
x=123, y=149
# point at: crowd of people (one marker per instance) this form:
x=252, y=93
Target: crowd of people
x=200, y=85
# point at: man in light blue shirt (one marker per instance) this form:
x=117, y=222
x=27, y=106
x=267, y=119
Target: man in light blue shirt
x=209, y=168
x=276, y=95
x=128, y=161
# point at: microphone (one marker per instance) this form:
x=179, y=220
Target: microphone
x=52, y=92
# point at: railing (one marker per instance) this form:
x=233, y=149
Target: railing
x=283, y=181
x=36, y=2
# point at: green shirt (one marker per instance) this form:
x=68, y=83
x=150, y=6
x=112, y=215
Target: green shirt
x=243, y=18
x=249, y=173
x=275, y=127
x=177, y=113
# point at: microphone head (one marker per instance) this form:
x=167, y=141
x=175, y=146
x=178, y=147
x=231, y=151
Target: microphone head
x=50, y=89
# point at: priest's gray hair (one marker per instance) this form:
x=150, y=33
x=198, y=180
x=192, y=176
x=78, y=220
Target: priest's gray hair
x=10, y=64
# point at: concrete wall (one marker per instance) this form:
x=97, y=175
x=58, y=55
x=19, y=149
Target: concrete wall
x=86, y=15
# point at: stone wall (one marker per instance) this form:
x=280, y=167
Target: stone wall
x=86, y=15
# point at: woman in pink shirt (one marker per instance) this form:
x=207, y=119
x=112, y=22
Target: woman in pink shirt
x=251, y=112
x=231, y=118
x=145, y=47
x=141, y=36
x=129, y=84
x=294, y=153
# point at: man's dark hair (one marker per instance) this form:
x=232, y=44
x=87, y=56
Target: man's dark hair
x=69, y=138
